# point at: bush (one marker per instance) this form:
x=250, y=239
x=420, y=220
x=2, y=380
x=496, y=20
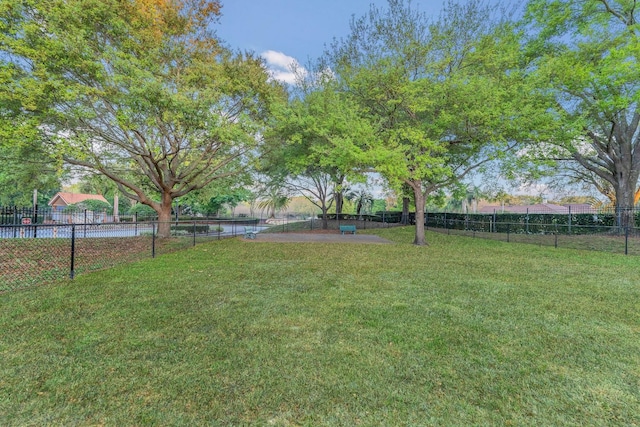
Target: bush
x=190, y=228
x=389, y=216
x=142, y=210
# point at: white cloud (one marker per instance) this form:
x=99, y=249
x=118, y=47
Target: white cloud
x=282, y=67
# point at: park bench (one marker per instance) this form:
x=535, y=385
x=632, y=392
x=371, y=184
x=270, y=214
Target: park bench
x=250, y=232
x=347, y=229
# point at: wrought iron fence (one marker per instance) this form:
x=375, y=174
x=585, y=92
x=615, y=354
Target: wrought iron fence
x=38, y=254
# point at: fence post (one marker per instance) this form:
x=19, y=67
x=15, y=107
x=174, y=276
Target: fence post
x=508, y=231
x=153, y=239
x=35, y=220
x=556, y=242
x=495, y=221
x=135, y=219
x=194, y=233
x=72, y=273
x=626, y=241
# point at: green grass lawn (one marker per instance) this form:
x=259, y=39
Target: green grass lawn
x=462, y=332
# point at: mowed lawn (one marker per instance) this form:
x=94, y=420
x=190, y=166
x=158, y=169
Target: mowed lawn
x=462, y=332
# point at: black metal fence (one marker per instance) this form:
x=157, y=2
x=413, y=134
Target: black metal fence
x=38, y=254
x=574, y=222
x=15, y=215
x=574, y=234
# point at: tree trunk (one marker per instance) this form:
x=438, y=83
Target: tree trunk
x=405, y=211
x=164, y=216
x=338, y=197
x=325, y=219
x=625, y=198
x=420, y=202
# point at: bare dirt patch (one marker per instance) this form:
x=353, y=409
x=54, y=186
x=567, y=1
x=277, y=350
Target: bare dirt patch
x=322, y=236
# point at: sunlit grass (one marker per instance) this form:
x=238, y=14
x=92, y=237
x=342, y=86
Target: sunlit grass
x=462, y=332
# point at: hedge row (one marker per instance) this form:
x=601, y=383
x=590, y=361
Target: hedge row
x=523, y=223
x=191, y=228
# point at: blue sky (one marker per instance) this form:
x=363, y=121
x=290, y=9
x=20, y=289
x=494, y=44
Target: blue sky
x=286, y=31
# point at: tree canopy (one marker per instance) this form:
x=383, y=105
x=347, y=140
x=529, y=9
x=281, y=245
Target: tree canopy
x=586, y=56
x=317, y=143
x=144, y=93
x=139, y=91
x=442, y=95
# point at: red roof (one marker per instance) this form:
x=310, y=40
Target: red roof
x=73, y=198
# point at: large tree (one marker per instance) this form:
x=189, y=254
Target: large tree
x=316, y=143
x=587, y=57
x=442, y=95
x=139, y=91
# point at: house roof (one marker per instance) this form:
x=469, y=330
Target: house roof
x=73, y=198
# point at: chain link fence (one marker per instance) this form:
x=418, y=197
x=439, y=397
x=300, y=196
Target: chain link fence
x=38, y=254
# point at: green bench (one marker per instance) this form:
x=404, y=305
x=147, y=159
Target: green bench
x=347, y=229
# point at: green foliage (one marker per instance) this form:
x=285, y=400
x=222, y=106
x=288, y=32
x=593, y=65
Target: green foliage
x=529, y=223
x=274, y=201
x=315, y=146
x=141, y=210
x=190, y=228
x=97, y=205
x=378, y=205
x=90, y=205
x=362, y=199
x=585, y=58
x=216, y=203
x=149, y=98
x=23, y=168
x=443, y=97
x=394, y=217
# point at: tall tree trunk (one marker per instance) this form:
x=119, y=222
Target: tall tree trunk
x=325, y=220
x=405, y=211
x=164, y=216
x=338, y=197
x=420, y=202
x=625, y=198
x=325, y=217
